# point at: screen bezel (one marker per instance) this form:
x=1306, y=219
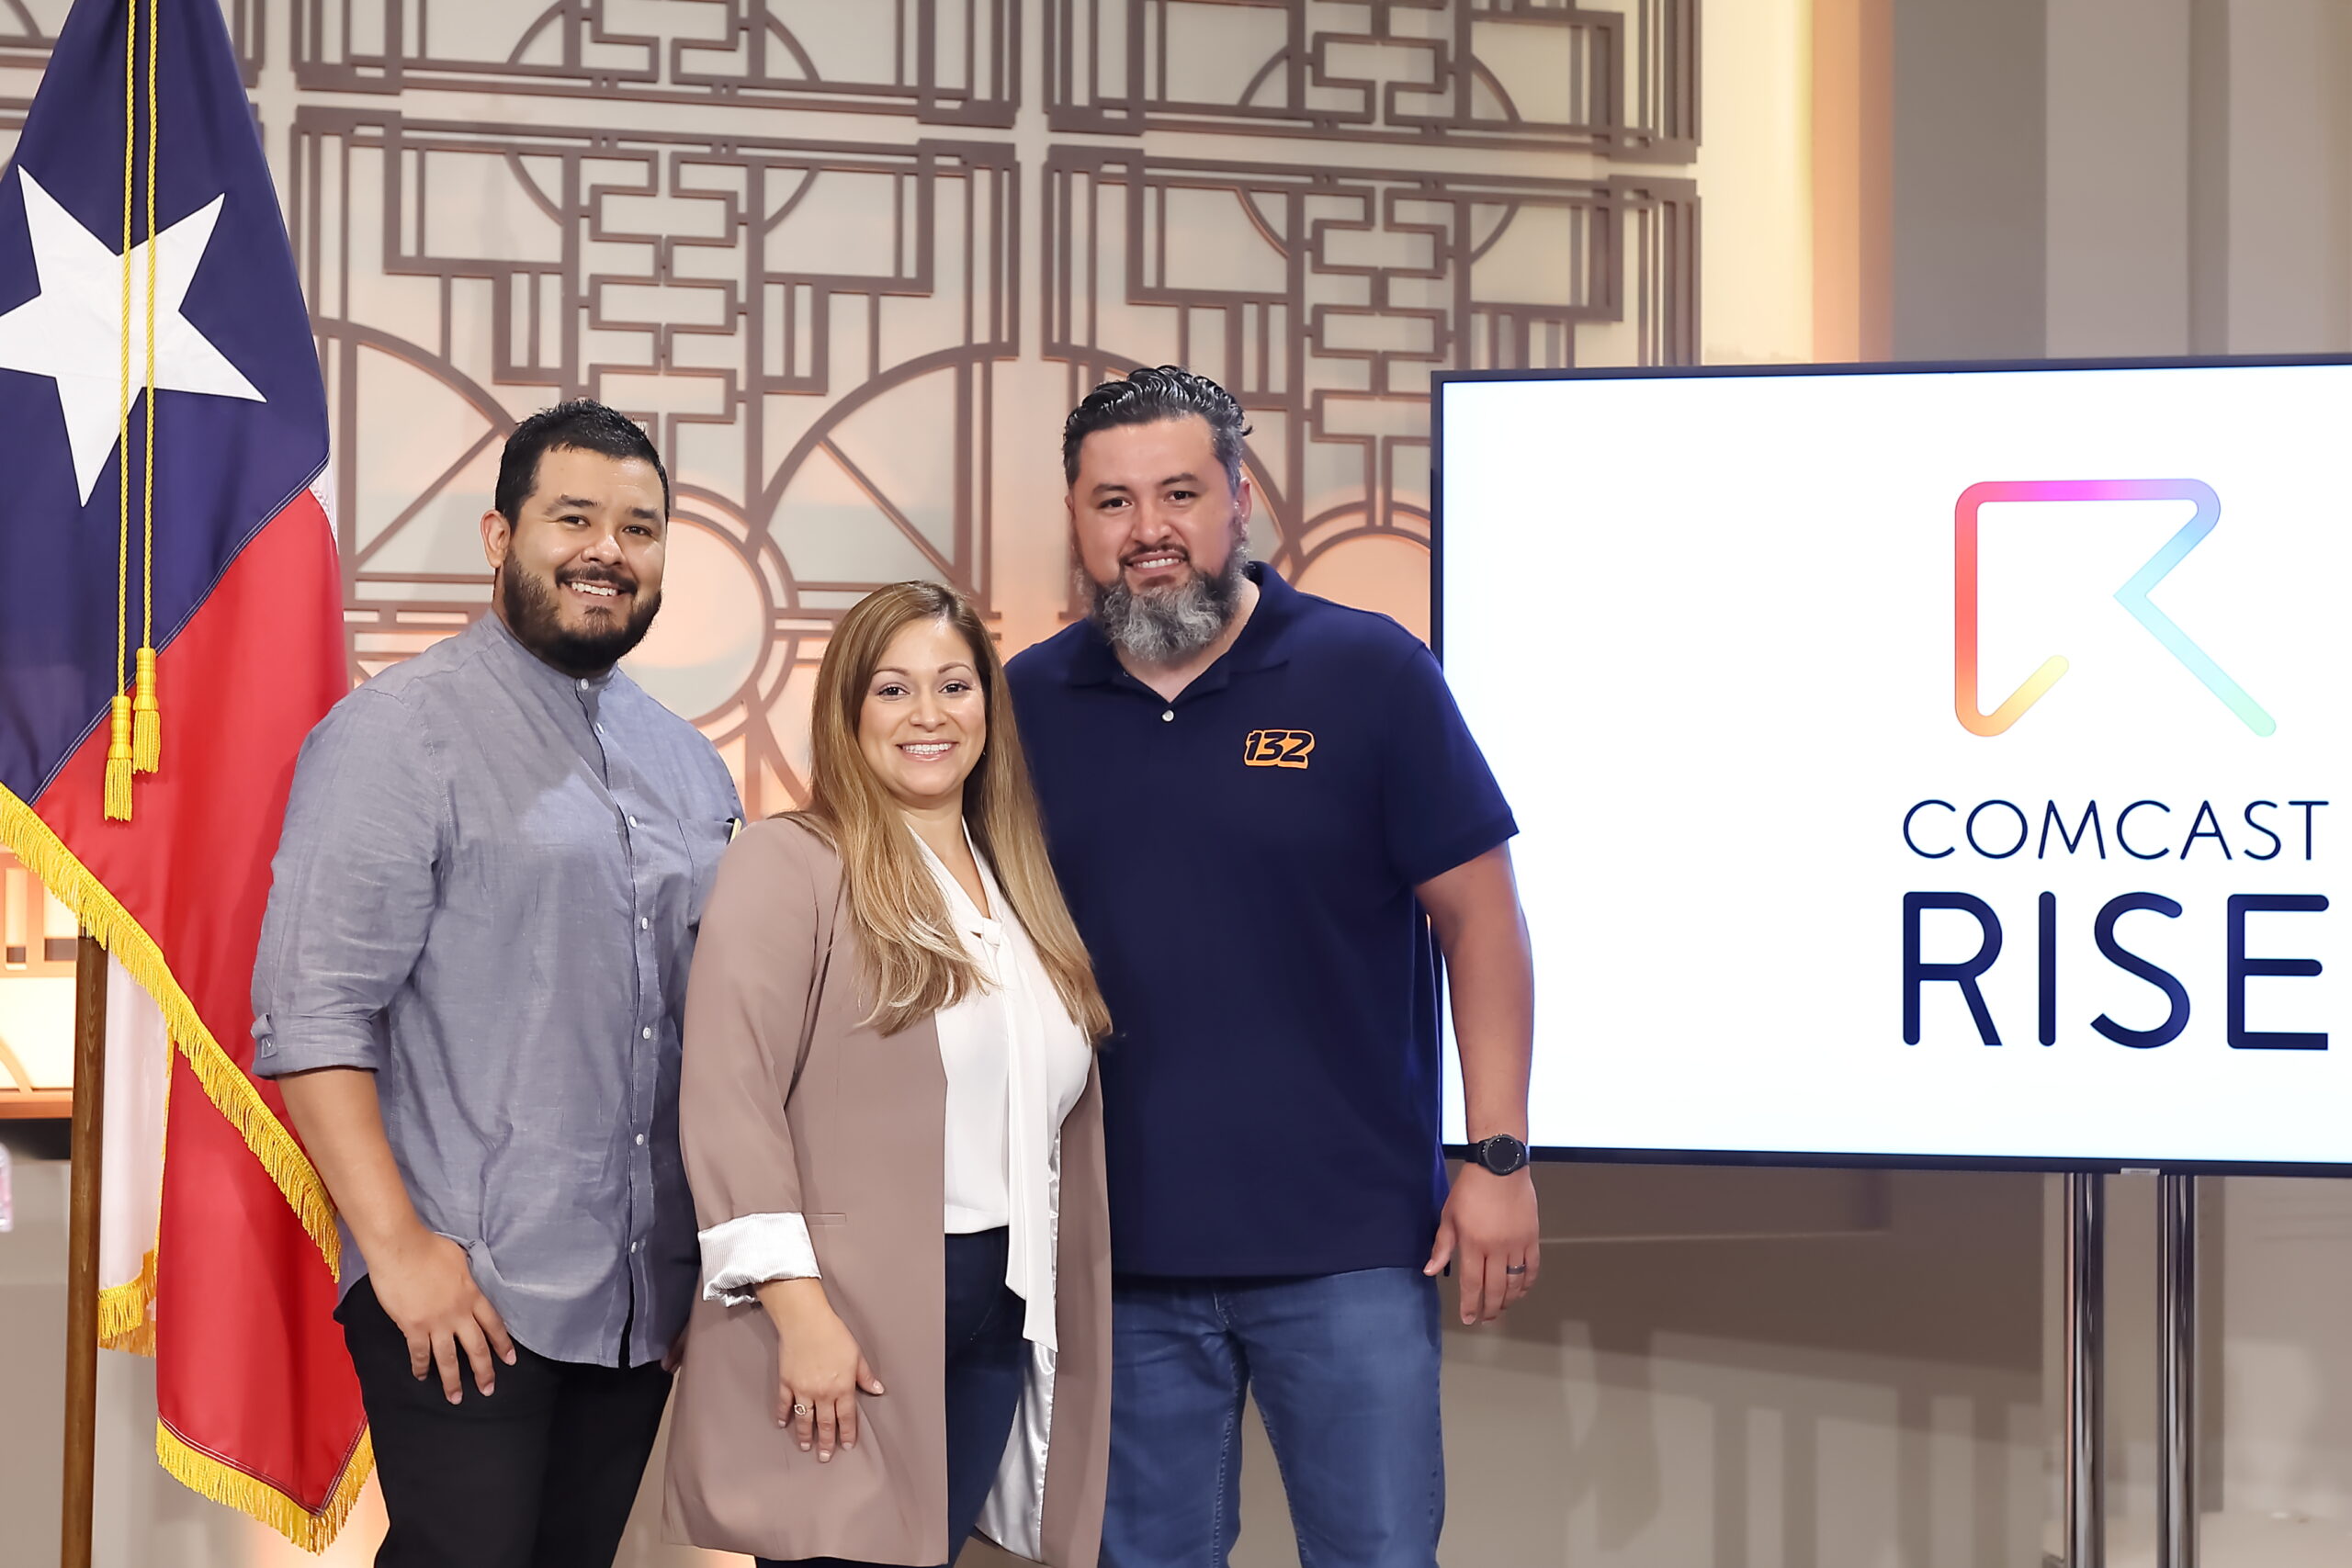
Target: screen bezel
x=1603, y=1155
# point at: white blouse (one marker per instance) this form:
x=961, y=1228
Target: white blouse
x=1016, y=1063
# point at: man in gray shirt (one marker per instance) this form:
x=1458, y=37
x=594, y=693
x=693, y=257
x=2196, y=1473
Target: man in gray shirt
x=470, y=988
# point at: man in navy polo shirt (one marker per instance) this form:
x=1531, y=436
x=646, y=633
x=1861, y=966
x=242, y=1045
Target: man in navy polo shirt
x=1260, y=804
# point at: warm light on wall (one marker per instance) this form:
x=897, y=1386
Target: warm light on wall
x=36, y=952
x=1851, y=107
x=1756, y=169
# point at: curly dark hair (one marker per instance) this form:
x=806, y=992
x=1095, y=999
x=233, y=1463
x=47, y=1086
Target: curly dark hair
x=580, y=426
x=1146, y=396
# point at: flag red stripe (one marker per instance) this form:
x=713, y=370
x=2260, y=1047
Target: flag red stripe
x=250, y=1363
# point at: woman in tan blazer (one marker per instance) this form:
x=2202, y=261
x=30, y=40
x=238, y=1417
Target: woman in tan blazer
x=894, y=1136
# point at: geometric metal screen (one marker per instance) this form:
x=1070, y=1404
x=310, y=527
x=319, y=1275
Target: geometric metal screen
x=848, y=262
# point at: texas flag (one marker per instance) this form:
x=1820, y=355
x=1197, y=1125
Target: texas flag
x=220, y=556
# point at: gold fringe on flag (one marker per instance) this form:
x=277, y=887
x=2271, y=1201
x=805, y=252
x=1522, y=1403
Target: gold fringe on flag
x=30, y=839
x=42, y=853
x=224, y=1482
x=126, y=1312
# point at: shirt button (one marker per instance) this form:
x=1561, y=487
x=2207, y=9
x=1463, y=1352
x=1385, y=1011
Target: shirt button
x=643, y=924
x=640, y=1140
x=1168, y=716
x=632, y=821
x=635, y=1245
x=649, y=1034
x=584, y=686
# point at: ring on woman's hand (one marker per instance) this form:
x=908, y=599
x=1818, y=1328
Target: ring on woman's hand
x=1514, y=1267
x=804, y=1410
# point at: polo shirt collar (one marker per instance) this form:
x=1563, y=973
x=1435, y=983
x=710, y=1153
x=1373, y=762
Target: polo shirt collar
x=1260, y=645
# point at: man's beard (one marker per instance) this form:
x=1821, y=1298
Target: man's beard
x=533, y=615
x=1169, y=625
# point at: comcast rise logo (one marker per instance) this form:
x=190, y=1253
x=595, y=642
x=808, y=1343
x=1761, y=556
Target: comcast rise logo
x=2133, y=596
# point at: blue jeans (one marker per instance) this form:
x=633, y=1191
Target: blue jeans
x=987, y=1362
x=1345, y=1369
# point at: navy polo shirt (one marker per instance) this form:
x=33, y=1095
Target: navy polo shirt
x=1241, y=864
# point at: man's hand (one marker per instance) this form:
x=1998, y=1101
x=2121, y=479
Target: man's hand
x=422, y=1280
x=1489, y=1228
x=428, y=1292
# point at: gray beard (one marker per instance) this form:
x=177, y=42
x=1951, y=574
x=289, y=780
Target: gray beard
x=1170, y=625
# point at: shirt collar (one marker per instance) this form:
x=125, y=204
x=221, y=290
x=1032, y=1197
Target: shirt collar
x=495, y=635
x=1260, y=645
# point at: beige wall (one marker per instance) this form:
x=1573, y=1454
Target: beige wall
x=1968, y=179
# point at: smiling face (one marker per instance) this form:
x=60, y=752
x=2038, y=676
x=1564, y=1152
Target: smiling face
x=579, y=569
x=1160, y=533
x=1152, y=506
x=924, y=722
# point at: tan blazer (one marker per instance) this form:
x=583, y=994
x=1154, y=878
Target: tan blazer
x=789, y=1105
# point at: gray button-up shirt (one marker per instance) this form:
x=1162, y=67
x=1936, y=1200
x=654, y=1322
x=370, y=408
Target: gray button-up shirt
x=486, y=894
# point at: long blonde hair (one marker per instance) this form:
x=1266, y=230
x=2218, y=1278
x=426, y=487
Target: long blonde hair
x=915, y=962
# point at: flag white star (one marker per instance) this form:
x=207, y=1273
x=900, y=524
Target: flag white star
x=71, y=330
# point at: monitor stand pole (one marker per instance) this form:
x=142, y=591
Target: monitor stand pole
x=2083, y=1307
x=2176, y=1506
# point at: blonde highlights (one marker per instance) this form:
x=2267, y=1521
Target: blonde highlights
x=915, y=963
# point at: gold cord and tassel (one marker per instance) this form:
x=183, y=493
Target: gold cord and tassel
x=136, y=743
x=117, y=781
x=118, y=764
x=147, y=717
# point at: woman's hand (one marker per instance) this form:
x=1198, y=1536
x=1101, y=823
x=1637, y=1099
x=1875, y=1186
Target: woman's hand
x=819, y=1370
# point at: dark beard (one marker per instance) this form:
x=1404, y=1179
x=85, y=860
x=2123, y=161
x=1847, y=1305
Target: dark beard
x=1170, y=627
x=529, y=605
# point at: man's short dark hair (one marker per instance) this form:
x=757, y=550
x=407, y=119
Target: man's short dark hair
x=580, y=426
x=1146, y=396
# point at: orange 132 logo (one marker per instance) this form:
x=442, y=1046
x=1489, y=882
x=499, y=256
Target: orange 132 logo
x=1277, y=748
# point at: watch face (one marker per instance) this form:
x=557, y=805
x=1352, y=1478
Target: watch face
x=1503, y=1154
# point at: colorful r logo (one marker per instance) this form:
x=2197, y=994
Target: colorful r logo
x=2132, y=595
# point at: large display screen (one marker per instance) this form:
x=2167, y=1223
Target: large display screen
x=1944, y=764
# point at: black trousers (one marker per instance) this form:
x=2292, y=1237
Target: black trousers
x=540, y=1474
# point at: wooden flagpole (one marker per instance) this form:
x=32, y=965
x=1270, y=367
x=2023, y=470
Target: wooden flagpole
x=82, y=1259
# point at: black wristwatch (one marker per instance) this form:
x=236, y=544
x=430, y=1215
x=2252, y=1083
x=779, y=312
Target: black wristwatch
x=1502, y=1154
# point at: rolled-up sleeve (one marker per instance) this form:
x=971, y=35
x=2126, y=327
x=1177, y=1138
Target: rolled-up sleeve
x=351, y=889
x=752, y=1250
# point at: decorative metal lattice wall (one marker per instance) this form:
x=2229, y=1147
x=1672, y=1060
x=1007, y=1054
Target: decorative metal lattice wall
x=849, y=262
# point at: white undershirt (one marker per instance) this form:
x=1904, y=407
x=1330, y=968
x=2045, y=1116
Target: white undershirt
x=973, y=1037
x=1015, y=1065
